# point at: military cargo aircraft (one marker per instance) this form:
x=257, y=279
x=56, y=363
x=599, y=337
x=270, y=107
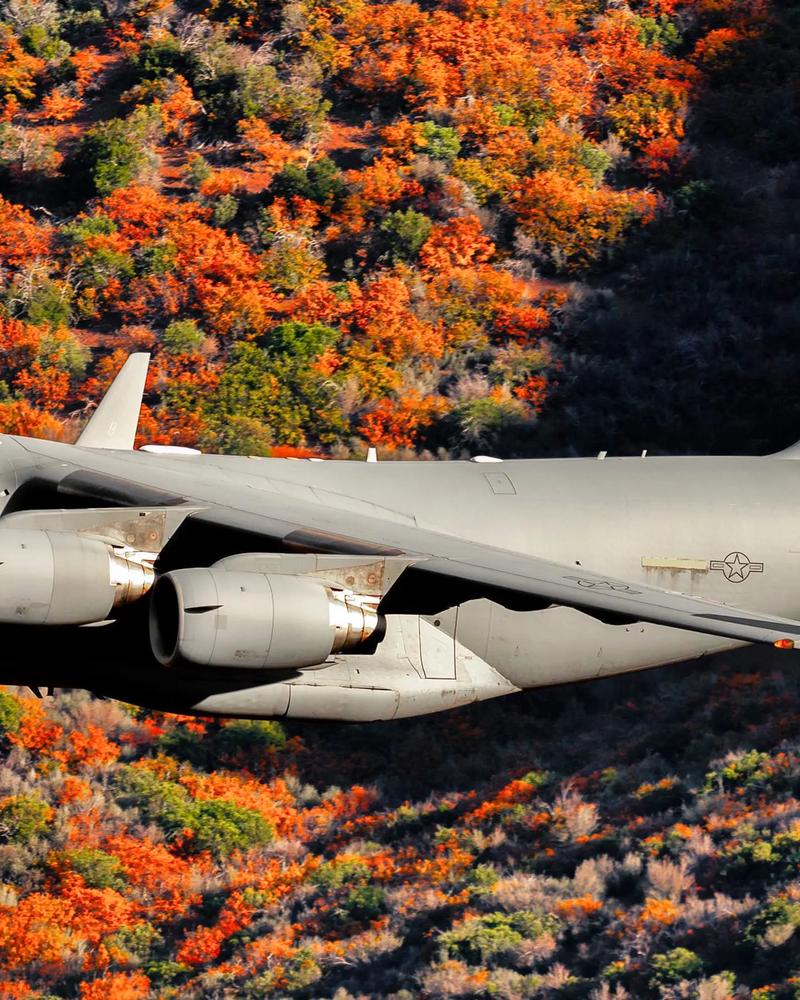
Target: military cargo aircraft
x=263, y=588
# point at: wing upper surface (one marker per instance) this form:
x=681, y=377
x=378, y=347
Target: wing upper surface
x=447, y=569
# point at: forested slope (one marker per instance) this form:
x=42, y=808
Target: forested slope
x=529, y=227
x=637, y=837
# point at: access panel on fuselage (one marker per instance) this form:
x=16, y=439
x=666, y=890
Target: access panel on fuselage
x=437, y=645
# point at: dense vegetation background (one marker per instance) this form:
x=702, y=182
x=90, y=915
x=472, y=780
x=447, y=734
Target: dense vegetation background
x=631, y=838
x=527, y=227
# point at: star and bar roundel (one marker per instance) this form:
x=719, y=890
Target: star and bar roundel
x=736, y=567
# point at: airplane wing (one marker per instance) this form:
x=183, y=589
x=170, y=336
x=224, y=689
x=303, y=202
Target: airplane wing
x=446, y=570
x=443, y=570
x=516, y=582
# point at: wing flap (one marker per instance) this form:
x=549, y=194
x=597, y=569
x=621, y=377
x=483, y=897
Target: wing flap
x=540, y=583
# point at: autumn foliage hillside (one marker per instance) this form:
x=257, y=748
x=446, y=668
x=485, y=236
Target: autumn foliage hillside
x=633, y=838
x=345, y=223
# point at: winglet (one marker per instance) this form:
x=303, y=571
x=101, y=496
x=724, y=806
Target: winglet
x=113, y=424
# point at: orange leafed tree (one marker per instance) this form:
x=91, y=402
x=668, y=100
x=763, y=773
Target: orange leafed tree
x=397, y=423
x=460, y=242
x=117, y=985
x=577, y=222
x=21, y=238
x=58, y=106
x=18, y=68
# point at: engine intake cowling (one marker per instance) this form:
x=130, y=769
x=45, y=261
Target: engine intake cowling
x=62, y=578
x=216, y=618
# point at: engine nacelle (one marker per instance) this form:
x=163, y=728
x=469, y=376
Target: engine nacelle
x=215, y=618
x=62, y=578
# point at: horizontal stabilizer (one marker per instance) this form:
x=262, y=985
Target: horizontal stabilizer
x=113, y=424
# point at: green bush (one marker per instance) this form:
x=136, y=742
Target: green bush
x=335, y=874
x=97, y=869
x=42, y=40
x=225, y=210
x=259, y=89
x=296, y=973
x=158, y=258
x=162, y=802
x=49, y=305
x=487, y=424
x=537, y=779
x=365, y=902
x=746, y=770
x=183, y=744
x=659, y=33
x=673, y=966
x=405, y=233
x=116, y=152
x=223, y=827
x=165, y=973
x=221, y=97
x=321, y=181
x=596, y=160
x=702, y=199
x=24, y=817
x=482, y=877
x=479, y=940
x=300, y=341
x=279, y=386
x=102, y=265
x=248, y=736
x=242, y=738
x=10, y=713
x=759, y=857
x=183, y=336
x=138, y=941
x=214, y=825
x=440, y=142
x=779, y=912
x=198, y=170
x=85, y=227
x=163, y=57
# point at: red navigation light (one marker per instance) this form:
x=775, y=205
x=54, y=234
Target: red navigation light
x=784, y=644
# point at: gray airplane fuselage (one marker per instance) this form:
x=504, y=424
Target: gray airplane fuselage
x=722, y=529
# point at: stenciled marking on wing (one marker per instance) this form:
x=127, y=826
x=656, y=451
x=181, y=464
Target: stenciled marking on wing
x=611, y=585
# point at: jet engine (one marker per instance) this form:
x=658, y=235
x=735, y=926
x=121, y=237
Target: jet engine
x=219, y=618
x=63, y=578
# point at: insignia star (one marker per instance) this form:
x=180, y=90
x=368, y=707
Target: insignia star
x=737, y=565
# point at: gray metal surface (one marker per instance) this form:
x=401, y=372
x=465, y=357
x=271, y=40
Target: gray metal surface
x=491, y=578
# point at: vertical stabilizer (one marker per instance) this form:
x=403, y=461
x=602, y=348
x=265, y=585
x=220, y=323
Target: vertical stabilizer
x=113, y=424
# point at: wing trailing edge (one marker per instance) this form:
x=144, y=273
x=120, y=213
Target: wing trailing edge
x=113, y=424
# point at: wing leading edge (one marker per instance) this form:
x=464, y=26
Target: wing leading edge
x=448, y=570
